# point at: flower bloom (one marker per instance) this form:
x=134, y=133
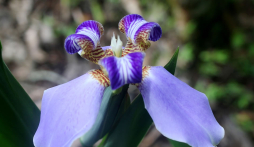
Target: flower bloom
x=69, y=110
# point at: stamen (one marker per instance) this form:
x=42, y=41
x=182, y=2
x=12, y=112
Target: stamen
x=119, y=47
x=113, y=42
x=116, y=45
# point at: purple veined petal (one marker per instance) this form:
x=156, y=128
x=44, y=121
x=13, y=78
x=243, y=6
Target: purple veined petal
x=124, y=70
x=179, y=112
x=91, y=28
x=70, y=110
x=126, y=21
x=86, y=37
x=90, y=25
x=138, y=29
x=152, y=29
x=76, y=42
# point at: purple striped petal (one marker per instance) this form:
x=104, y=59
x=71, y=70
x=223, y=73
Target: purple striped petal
x=179, y=112
x=90, y=26
x=138, y=29
x=76, y=42
x=124, y=70
x=86, y=37
x=69, y=110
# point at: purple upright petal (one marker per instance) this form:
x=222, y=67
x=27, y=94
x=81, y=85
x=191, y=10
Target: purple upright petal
x=76, y=42
x=86, y=37
x=152, y=29
x=90, y=25
x=124, y=70
x=138, y=29
x=69, y=110
x=179, y=112
x=126, y=21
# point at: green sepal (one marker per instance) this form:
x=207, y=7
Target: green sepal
x=110, y=109
x=19, y=116
x=136, y=121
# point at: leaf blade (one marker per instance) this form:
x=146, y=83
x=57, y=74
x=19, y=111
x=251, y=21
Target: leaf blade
x=19, y=116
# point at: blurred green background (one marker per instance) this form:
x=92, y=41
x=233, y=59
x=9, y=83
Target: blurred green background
x=215, y=40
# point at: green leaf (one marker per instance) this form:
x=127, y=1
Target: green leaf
x=19, y=116
x=136, y=121
x=112, y=107
x=171, y=65
x=123, y=108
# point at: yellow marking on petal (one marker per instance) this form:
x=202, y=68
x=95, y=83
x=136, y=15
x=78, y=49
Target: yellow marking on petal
x=100, y=28
x=143, y=36
x=121, y=26
x=100, y=77
x=96, y=55
x=145, y=71
x=109, y=52
x=131, y=48
x=85, y=44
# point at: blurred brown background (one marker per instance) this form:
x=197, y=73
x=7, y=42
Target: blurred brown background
x=215, y=40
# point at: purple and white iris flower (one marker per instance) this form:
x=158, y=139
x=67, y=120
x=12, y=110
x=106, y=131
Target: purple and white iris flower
x=69, y=110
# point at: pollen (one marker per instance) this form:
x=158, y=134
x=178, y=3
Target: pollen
x=100, y=77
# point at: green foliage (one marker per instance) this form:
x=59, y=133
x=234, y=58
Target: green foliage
x=97, y=12
x=217, y=56
x=65, y=30
x=191, y=27
x=238, y=39
x=72, y=3
x=19, y=116
x=114, y=1
x=245, y=121
x=213, y=91
x=136, y=121
x=211, y=60
x=209, y=69
x=244, y=97
x=187, y=53
x=231, y=91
